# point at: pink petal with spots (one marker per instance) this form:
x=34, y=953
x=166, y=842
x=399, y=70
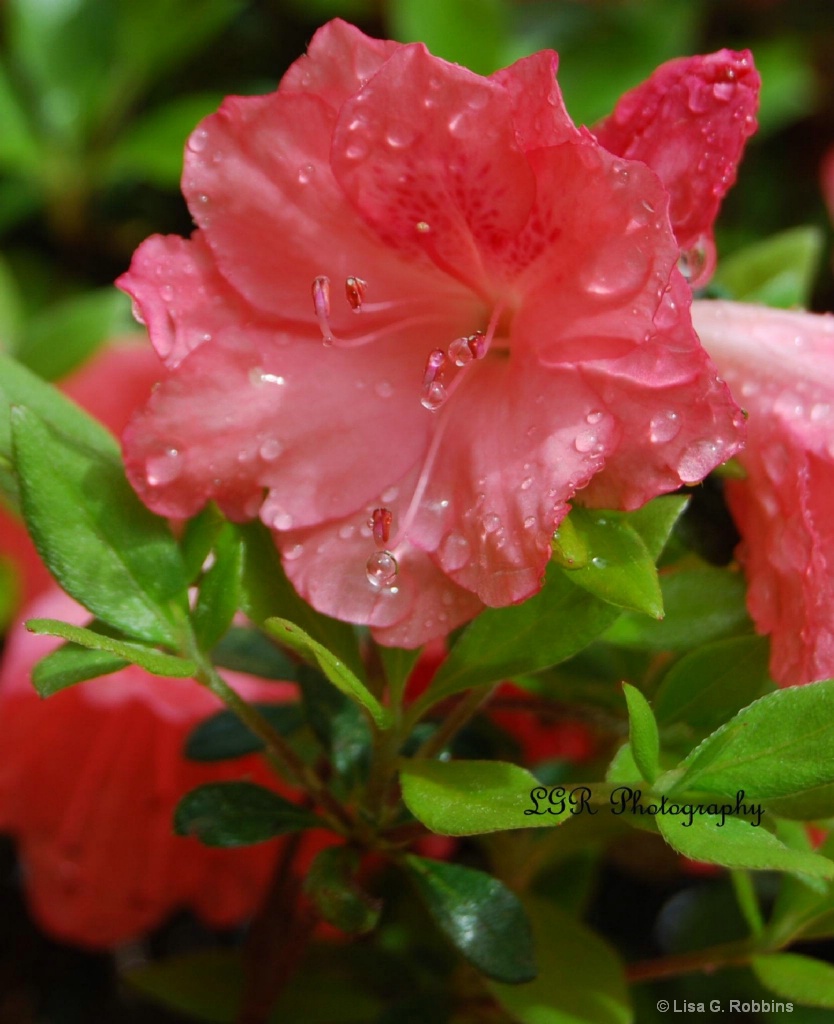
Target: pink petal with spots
x=689, y=122
x=780, y=365
x=446, y=175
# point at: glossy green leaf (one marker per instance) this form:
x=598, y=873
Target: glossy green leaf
x=398, y=664
x=780, y=271
x=11, y=305
x=623, y=767
x=238, y=814
x=799, y=978
x=570, y=549
x=621, y=570
x=71, y=664
x=643, y=735
x=198, y=537
x=101, y=544
x=738, y=844
x=812, y=805
x=710, y=684
x=463, y=798
x=481, y=917
x=19, y=386
x=292, y=636
x=339, y=724
x=224, y=736
x=66, y=334
x=332, y=886
x=152, y=661
x=549, y=628
x=218, y=598
x=700, y=605
x=580, y=981
x=782, y=745
x=266, y=591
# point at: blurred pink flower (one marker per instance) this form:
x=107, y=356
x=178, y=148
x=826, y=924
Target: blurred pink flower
x=89, y=780
x=504, y=327
x=780, y=366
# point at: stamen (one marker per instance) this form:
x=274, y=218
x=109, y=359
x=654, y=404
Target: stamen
x=380, y=524
x=355, y=292
x=321, y=305
x=434, y=392
x=463, y=350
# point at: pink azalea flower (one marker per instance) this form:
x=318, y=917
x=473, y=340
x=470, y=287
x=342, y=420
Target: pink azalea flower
x=780, y=365
x=89, y=781
x=422, y=313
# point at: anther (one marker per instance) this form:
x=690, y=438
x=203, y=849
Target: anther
x=321, y=305
x=355, y=292
x=463, y=350
x=380, y=524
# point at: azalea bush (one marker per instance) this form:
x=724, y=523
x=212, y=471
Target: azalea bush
x=440, y=598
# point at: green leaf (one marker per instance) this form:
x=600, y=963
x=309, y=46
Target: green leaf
x=224, y=736
x=780, y=271
x=71, y=664
x=152, y=661
x=569, y=544
x=710, y=684
x=219, y=594
x=643, y=735
x=468, y=32
x=18, y=386
x=398, y=664
x=66, y=334
x=738, y=844
x=789, y=82
x=207, y=985
x=480, y=916
x=339, y=725
x=292, y=636
x=248, y=650
x=266, y=591
x=621, y=571
x=198, y=538
x=580, y=981
x=19, y=149
x=151, y=149
x=464, y=798
x=9, y=593
x=549, y=628
x=333, y=888
x=238, y=814
x=700, y=605
x=101, y=544
x=782, y=745
x=799, y=978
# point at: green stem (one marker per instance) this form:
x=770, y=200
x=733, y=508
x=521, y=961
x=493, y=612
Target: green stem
x=462, y=713
x=280, y=754
x=729, y=954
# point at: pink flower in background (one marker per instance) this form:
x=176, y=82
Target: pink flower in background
x=89, y=780
x=780, y=366
x=422, y=311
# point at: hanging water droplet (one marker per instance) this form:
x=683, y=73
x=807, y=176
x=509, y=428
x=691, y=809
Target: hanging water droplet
x=163, y=469
x=197, y=140
x=381, y=569
x=433, y=396
x=137, y=313
x=692, y=262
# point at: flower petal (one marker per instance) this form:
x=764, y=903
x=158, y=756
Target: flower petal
x=539, y=113
x=447, y=177
x=781, y=365
x=689, y=122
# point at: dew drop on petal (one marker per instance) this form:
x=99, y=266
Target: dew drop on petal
x=692, y=262
x=346, y=531
x=197, y=140
x=305, y=173
x=585, y=441
x=664, y=427
x=271, y=449
x=163, y=469
x=389, y=494
x=454, y=551
x=526, y=483
x=293, y=552
x=460, y=353
x=381, y=569
x=490, y=523
x=594, y=416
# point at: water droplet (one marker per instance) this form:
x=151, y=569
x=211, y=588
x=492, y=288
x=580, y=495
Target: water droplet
x=433, y=396
x=692, y=262
x=271, y=449
x=526, y=483
x=275, y=516
x=137, y=313
x=454, y=551
x=723, y=91
x=356, y=151
x=529, y=522
x=400, y=135
x=384, y=388
x=423, y=227
x=594, y=416
x=460, y=353
x=664, y=427
x=166, y=293
x=389, y=494
x=305, y=173
x=259, y=377
x=293, y=552
x=490, y=523
x=585, y=441
x=197, y=140
x=696, y=461
x=599, y=563
x=381, y=569
x=347, y=531
x=163, y=469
